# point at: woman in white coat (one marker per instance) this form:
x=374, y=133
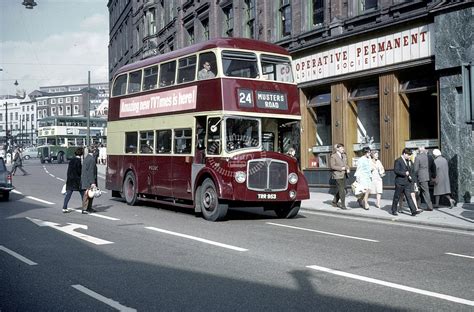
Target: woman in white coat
x=378, y=171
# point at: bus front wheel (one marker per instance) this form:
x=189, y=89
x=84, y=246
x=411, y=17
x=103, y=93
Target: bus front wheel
x=42, y=160
x=130, y=189
x=288, y=212
x=211, y=209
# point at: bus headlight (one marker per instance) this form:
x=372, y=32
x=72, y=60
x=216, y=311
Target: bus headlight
x=293, y=178
x=240, y=176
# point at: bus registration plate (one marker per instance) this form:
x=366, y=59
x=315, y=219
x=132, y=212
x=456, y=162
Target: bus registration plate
x=266, y=196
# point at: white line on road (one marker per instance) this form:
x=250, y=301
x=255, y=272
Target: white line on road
x=114, y=304
x=61, y=179
x=197, y=239
x=98, y=215
x=40, y=200
x=323, y=232
x=18, y=256
x=393, y=285
x=459, y=255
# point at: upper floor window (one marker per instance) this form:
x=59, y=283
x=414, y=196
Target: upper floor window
x=361, y=6
x=190, y=31
x=151, y=19
x=285, y=13
x=250, y=18
x=60, y=100
x=68, y=100
x=75, y=99
x=318, y=12
x=53, y=101
x=205, y=28
x=229, y=21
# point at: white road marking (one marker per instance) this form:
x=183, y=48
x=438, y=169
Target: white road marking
x=17, y=255
x=459, y=255
x=17, y=192
x=197, y=239
x=114, y=304
x=387, y=222
x=98, y=215
x=61, y=179
x=323, y=232
x=69, y=229
x=40, y=200
x=393, y=285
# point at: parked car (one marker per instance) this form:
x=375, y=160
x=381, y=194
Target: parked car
x=5, y=181
x=30, y=152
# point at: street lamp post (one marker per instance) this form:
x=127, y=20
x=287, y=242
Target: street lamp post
x=6, y=127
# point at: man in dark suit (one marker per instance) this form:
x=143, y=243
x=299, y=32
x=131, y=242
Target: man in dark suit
x=340, y=169
x=403, y=170
x=422, y=170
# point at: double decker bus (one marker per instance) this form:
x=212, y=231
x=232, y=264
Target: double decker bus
x=207, y=140
x=59, y=136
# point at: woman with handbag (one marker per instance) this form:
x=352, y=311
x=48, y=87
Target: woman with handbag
x=378, y=172
x=363, y=176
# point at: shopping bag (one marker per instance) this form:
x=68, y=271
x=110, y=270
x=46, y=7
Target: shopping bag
x=357, y=189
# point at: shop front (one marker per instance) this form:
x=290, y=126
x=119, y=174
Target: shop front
x=379, y=91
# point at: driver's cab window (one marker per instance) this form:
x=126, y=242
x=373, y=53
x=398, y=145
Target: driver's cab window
x=214, y=139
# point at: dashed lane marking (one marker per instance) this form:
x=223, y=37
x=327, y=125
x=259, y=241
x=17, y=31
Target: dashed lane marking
x=459, y=255
x=110, y=302
x=17, y=255
x=324, y=232
x=393, y=285
x=202, y=240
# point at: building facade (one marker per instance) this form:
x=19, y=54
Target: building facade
x=17, y=121
x=388, y=74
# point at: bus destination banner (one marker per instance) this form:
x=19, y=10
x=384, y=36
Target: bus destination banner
x=162, y=102
x=272, y=100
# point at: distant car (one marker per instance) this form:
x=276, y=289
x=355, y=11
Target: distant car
x=5, y=181
x=30, y=152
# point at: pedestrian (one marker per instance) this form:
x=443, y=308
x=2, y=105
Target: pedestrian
x=363, y=176
x=422, y=172
x=442, y=185
x=18, y=162
x=95, y=153
x=340, y=170
x=88, y=179
x=102, y=155
x=403, y=178
x=413, y=184
x=73, y=179
x=378, y=172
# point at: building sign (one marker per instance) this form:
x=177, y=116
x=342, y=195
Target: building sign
x=408, y=45
x=272, y=100
x=161, y=102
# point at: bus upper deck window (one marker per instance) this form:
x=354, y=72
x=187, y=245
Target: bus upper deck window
x=150, y=78
x=207, y=66
x=276, y=68
x=240, y=64
x=187, y=69
x=120, y=85
x=134, y=81
x=167, y=73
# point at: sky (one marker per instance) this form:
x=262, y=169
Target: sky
x=55, y=43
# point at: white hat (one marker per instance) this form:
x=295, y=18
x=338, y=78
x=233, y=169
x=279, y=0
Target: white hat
x=436, y=152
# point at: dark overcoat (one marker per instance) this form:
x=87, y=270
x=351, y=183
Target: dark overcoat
x=74, y=169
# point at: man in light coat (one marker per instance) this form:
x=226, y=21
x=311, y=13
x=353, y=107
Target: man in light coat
x=422, y=171
x=340, y=170
x=88, y=179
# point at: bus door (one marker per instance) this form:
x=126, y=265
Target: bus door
x=163, y=164
x=182, y=163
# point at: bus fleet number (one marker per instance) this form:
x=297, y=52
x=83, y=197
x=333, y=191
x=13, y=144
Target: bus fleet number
x=245, y=98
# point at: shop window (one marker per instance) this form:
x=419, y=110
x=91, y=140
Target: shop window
x=365, y=98
x=319, y=108
x=418, y=93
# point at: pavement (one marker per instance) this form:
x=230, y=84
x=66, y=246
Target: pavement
x=460, y=217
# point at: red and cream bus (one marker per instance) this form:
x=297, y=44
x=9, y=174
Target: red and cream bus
x=207, y=127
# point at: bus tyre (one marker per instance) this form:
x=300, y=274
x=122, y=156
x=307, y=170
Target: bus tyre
x=211, y=209
x=288, y=212
x=60, y=158
x=42, y=160
x=130, y=189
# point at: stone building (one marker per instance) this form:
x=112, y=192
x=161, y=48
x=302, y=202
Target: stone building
x=387, y=74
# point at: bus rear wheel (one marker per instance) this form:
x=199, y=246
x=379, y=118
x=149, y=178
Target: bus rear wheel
x=211, y=209
x=288, y=212
x=130, y=189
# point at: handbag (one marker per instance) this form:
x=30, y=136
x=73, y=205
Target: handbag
x=356, y=188
x=63, y=190
x=94, y=192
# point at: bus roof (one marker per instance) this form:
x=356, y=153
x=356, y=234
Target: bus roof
x=232, y=43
